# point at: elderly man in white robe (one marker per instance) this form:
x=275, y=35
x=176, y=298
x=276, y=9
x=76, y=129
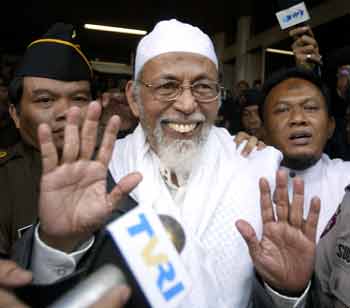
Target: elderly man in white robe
x=179, y=164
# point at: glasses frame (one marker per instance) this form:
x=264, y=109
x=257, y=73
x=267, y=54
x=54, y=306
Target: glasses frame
x=181, y=90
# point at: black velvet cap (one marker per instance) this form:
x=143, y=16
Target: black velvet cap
x=56, y=55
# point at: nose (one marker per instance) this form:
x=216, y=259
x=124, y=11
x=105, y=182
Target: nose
x=62, y=106
x=297, y=117
x=186, y=102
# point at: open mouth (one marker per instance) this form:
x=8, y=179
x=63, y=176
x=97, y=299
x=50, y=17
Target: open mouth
x=184, y=129
x=300, y=138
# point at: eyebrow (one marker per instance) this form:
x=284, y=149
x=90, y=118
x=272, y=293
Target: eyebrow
x=303, y=101
x=39, y=91
x=199, y=77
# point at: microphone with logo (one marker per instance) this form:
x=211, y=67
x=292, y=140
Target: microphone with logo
x=149, y=245
x=291, y=13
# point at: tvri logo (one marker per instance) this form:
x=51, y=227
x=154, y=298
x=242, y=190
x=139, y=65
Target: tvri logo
x=299, y=13
x=168, y=282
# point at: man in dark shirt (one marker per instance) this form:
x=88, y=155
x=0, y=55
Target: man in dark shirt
x=42, y=91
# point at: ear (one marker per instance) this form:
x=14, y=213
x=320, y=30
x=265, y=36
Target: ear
x=15, y=116
x=133, y=104
x=331, y=127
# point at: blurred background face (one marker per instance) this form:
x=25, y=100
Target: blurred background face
x=3, y=91
x=296, y=122
x=4, y=104
x=251, y=121
x=118, y=105
x=343, y=77
x=347, y=125
x=47, y=101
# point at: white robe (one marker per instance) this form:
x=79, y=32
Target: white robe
x=327, y=179
x=222, y=188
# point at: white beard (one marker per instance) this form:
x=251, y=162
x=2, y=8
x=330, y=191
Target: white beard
x=180, y=155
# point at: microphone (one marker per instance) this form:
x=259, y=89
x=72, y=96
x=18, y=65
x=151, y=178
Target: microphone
x=291, y=13
x=92, y=288
x=146, y=241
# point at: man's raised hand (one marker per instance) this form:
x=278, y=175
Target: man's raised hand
x=285, y=256
x=73, y=201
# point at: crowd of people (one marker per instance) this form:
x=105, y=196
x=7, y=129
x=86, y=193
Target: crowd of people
x=265, y=226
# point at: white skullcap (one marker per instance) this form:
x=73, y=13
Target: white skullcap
x=173, y=36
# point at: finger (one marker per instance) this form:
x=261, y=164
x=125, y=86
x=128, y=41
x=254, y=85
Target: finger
x=89, y=130
x=249, y=235
x=308, y=49
x=250, y=145
x=282, y=198
x=296, y=210
x=71, y=136
x=297, y=32
x=310, y=225
x=108, y=140
x=123, y=187
x=265, y=201
x=49, y=156
x=117, y=297
x=308, y=40
x=240, y=137
x=9, y=300
x=261, y=145
x=105, y=99
x=11, y=275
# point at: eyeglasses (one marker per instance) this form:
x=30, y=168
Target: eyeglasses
x=204, y=91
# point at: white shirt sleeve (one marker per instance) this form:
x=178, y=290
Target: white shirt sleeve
x=282, y=301
x=49, y=264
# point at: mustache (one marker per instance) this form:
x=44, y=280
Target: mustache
x=194, y=117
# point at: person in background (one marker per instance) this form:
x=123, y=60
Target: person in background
x=43, y=89
x=115, y=103
x=250, y=115
x=334, y=70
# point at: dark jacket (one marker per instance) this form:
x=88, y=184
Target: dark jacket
x=331, y=284
x=102, y=252
x=20, y=171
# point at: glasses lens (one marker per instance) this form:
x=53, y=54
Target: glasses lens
x=205, y=90
x=166, y=90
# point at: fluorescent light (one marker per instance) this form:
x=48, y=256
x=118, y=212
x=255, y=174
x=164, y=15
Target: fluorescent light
x=114, y=29
x=281, y=51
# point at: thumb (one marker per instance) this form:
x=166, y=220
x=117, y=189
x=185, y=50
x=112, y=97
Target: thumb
x=249, y=235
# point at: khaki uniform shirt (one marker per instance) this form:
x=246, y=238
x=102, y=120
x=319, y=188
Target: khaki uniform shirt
x=20, y=171
x=331, y=286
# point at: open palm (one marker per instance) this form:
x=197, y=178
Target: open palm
x=286, y=253
x=73, y=198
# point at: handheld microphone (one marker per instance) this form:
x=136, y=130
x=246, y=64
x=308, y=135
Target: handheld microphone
x=147, y=243
x=92, y=288
x=291, y=13
x=142, y=237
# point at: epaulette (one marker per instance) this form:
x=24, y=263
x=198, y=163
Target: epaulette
x=6, y=155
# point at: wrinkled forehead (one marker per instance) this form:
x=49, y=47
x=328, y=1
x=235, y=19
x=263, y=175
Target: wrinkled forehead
x=291, y=86
x=180, y=65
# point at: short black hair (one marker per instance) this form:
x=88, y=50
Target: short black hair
x=15, y=91
x=300, y=73
x=251, y=97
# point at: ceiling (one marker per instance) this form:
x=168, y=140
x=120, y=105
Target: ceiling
x=23, y=22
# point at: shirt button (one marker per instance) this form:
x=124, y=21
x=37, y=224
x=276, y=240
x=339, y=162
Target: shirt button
x=61, y=271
